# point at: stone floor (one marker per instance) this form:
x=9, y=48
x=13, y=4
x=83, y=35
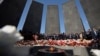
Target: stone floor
x=71, y=51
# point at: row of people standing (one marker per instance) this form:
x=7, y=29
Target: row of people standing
x=90, y=34
x=86, y=35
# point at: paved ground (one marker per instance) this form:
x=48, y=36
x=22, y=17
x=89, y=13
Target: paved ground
x=76, y=51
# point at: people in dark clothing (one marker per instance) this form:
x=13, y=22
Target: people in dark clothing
x=98, y=33
x=89, y=34
x=77, y=36
x=95, y=36
x=92, y=35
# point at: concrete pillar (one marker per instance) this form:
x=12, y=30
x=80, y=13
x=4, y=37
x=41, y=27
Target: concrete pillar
x=72, y=19
x=92, y=11
x=52, y=20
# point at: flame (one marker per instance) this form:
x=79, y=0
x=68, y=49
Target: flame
x=51, y=49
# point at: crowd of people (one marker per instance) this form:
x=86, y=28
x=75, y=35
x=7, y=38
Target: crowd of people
x=87, y=38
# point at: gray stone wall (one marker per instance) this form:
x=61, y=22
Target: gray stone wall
x=11, y=11
x=92, y=11
x=52, y=20
x=72, y=20
x=34, y=18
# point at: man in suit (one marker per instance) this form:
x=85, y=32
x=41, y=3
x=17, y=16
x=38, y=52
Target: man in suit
x=89, y=34
x=95, y=33
x=98, y=33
